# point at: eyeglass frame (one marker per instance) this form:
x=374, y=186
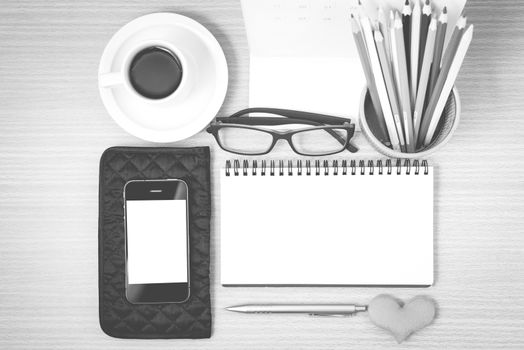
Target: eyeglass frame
x=242, y=120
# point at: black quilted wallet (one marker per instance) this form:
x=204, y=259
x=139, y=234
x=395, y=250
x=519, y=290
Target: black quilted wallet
x=118, y=317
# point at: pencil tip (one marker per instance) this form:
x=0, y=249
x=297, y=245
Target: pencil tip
x=355, y=27
x=397, y=18
x=433, y=23
x=462, y=21
x=445, y=10
x=380, y=13
x=359, y=2
x=406, y=2
x=427, y=2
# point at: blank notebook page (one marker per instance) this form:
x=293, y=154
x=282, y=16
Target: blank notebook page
x=361, y=229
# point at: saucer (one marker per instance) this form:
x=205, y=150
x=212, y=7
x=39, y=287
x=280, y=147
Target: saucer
x=193, y=105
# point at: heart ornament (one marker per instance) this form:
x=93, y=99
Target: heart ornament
x=402, y=320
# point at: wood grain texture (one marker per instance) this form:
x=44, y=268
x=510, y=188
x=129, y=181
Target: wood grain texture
x=54, y=129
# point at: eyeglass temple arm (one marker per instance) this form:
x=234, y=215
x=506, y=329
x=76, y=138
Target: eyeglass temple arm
x=265, y=121
x=349, y=145
x=288, y=113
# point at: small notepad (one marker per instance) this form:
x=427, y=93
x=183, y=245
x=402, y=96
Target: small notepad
x=326, y=223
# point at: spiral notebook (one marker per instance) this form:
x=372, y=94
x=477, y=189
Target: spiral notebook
x=326, y=223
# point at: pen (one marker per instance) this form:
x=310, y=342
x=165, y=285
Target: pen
x=310, y=309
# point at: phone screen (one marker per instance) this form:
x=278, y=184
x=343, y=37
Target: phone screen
x=157, y=229
x=156, y=241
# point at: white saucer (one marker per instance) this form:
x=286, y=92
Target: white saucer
x=200, y=95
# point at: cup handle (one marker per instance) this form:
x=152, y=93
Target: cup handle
x=110, y=79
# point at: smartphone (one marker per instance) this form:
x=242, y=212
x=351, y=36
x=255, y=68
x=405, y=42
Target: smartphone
x=157, y=241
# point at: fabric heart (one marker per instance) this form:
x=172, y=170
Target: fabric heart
x=401, y=320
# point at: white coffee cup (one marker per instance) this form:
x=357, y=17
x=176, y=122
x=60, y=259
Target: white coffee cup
x=122, y=77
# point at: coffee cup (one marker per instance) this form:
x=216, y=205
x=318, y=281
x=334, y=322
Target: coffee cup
x=153, y=71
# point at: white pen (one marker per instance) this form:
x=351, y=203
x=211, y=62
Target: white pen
x=310, y=309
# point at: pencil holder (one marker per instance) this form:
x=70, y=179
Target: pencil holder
x=446, y=128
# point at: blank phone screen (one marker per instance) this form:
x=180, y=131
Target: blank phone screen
x=156, y=241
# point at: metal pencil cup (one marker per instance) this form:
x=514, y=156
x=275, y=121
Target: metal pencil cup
x=445, y=130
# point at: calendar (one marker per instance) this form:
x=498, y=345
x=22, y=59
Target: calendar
x=302, y=54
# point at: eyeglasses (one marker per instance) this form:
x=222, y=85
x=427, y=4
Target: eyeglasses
x=240, y=133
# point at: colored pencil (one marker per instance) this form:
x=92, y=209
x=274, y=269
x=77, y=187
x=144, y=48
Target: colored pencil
x=424, y=76
x=442, y=26
x=424, y=25
x=391, y=90
x=458, y=31
x=399, y=60
x=383, y=26
x=364, y=59
x=448, y=74
x=379, y=82
x=394, y=67
x=414, y=51
x=406, y=25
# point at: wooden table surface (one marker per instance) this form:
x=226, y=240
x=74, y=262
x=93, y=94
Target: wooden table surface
x=53, y=129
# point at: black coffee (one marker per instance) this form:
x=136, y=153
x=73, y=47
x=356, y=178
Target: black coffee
x=155, y=72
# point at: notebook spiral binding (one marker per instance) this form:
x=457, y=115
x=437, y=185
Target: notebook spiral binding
x=317, y=168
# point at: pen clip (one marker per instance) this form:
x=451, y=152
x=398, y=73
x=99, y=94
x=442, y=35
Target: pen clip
x=332, y=315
